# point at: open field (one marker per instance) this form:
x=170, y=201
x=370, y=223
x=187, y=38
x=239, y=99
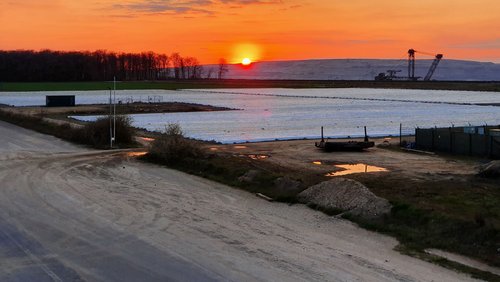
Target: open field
x=237, y=83
x=72, y=214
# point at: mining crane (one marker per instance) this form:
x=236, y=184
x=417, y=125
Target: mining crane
x=411, y=65
x=391, y=74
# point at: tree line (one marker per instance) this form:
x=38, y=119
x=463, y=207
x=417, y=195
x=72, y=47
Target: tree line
x=100, y=65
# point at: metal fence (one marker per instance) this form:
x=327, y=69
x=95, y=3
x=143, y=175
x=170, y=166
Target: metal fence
x=406, y=136
x=140, y=99
x=482, y=141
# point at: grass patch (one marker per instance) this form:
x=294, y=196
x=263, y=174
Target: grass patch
x=419, y=229
x=455, y=213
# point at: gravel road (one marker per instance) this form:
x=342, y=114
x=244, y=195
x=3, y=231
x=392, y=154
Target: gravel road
x=72, y=214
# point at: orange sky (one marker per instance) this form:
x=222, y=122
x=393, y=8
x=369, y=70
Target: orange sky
x=259, y=29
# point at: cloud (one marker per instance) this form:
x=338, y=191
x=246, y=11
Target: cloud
x=371, y=41
x=186, y=6
x=166, y=6
x=489, y=44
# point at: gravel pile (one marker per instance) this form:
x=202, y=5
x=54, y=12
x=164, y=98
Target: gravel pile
x=347, y=195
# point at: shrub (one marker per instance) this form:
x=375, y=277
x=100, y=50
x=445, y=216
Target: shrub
x=172, y=147
x=98, y=133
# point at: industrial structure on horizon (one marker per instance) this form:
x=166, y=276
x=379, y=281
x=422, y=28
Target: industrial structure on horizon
x=392, y=74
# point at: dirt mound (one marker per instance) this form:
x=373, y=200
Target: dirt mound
x=346, y=195
x=490, y=170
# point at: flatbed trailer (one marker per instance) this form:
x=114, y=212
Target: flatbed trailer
x=336, y=146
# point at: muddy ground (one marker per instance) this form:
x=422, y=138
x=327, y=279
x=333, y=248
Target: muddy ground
x=301, y=157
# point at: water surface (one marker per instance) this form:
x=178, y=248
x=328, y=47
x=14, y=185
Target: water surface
x=268, y=114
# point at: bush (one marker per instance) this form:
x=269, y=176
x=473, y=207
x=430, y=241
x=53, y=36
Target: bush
x=98, y=133
x=172, y=147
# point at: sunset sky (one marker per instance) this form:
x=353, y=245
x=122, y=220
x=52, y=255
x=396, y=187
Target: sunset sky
x=262, y=30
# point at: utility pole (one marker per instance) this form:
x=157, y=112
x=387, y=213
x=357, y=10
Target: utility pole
x=411, y=64
x=110, y=125
x=114, y=109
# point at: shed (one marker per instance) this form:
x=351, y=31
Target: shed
x=60, y=100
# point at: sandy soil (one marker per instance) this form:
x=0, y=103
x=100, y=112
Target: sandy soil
x=70, y=214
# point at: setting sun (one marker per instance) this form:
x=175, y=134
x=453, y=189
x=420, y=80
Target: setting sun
x=246, y=61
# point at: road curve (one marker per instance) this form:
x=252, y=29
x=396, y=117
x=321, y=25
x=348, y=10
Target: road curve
x=70, y=214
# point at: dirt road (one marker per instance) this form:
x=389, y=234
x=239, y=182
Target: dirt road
x=69, y=214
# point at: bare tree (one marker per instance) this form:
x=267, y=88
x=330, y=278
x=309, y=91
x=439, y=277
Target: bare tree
x=189, y=63
x=193, y=68
x=178, y=64
x=222, y=68
x=162, y=66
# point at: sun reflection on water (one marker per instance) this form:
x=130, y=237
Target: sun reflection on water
x=355, y=168
x=136, y=154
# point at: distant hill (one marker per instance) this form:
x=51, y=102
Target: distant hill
x=363, y=69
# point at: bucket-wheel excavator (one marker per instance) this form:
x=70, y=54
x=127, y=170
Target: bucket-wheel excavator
x=411, y=68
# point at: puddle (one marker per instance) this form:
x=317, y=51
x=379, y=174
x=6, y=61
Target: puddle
x=355, y=168
x=317, y=163
x=147, y=139
x=214, y=149
x=136, y=154
x=240, y=147
x=256, y=157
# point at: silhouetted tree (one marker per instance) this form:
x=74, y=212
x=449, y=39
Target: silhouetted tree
x=210, y=72
x=47, y=65
x=193, y=68
x=222, y=68
x=178, y=64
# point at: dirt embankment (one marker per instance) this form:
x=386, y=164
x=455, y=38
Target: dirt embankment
x=126, y=108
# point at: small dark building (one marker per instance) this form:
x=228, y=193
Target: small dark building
x=60, y=101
